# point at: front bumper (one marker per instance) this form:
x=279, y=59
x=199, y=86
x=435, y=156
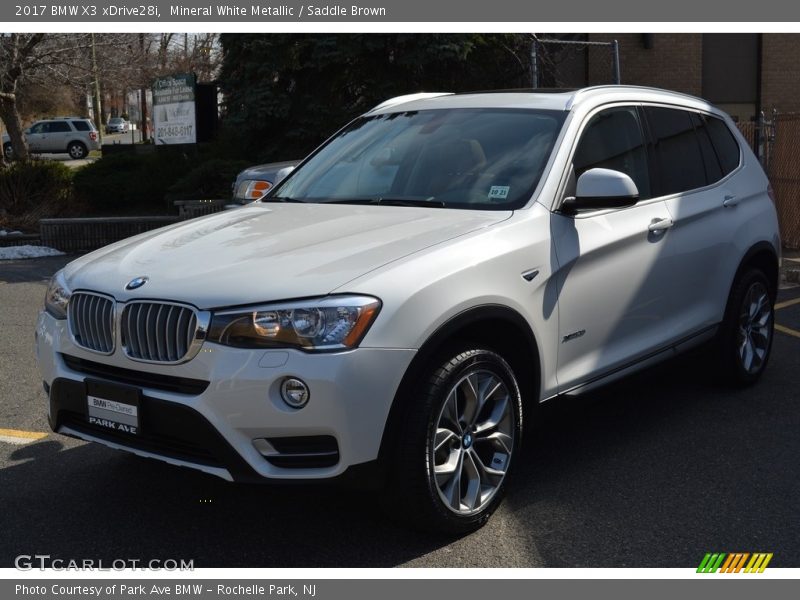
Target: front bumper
x=212, y=412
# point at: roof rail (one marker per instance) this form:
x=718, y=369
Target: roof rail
x=408, y=98
x=617, y=86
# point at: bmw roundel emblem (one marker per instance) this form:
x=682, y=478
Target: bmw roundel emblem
x=135, y=284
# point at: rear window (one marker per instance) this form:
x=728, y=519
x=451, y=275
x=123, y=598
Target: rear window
x=724, y=143
x=677, y=150
x=710, y=159
x=59, y=127
x=81, y=126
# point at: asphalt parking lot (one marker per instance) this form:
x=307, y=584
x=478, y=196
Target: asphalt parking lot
x=652, y=472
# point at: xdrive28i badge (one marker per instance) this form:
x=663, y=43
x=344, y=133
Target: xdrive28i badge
x=135, y=284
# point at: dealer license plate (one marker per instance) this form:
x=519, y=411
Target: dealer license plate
x=112, y=406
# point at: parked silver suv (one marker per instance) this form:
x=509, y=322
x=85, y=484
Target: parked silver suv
x=71, y=135
x=399, y=304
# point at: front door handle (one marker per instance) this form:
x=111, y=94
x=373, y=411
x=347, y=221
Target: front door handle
x=659, y=225
x=730, y=201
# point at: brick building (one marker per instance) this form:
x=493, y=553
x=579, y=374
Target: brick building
x=742, y=73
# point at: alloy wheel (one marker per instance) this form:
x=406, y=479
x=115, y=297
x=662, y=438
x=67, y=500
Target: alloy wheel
x=755, y=328
x=473, y=441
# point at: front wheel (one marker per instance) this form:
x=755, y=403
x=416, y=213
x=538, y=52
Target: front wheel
x=746, y=335
x=458, y=443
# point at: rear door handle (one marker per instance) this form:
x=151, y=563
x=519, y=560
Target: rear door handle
x=659, y=225
x=730, y=201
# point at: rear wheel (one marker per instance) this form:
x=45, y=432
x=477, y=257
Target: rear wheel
x=77, y=150
x=746, y=336
x=8, y=151
x=458, y=442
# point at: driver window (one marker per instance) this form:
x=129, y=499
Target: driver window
x=613, y=140
x=39, y=128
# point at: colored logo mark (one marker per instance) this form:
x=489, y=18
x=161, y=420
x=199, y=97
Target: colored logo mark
x=745, y=562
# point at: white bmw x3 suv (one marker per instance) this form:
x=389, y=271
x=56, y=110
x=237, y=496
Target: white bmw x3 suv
x=397, y=306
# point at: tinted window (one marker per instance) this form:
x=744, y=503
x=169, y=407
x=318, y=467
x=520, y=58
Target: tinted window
x=677, y=150
x=724, y=143
x=710, y=159
x=613, y=140
x=59, y=127
x=81, y=125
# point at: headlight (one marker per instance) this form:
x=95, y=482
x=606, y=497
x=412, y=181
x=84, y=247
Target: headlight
x=252, y=189
x=57, y=297
x=332, y=323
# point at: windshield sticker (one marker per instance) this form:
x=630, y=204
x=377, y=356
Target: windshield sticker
x=499, y=192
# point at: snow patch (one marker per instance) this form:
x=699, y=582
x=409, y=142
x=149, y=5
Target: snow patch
x=17, y=252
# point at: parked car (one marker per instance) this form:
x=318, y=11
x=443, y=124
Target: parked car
x=400, y=303
x=117, y=125
x=64, y=135
x=254, y=182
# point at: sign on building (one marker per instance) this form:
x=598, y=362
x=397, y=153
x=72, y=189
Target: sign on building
x=174, y=109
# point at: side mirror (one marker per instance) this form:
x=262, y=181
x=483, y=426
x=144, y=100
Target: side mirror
x=602, y=188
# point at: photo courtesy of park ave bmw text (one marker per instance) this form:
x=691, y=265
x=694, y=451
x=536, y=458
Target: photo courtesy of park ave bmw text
x=349, y=287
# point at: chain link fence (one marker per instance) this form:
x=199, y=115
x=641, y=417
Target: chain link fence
x=776, y=142
x=783, y=168
x=574, y=63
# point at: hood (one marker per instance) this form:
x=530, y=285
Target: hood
x=269, y=251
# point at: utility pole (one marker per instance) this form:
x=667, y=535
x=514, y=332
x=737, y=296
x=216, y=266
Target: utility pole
x=143, y=94
x=99, y=115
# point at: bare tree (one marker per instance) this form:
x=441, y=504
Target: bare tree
x=16, y=52
x=123, y=62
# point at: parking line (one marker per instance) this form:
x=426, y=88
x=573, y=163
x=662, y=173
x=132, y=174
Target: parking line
x=19, y=437
x=787, y=330
x=792, y=302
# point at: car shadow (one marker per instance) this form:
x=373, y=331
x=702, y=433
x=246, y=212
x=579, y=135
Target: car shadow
x=662, y=467
x=92, y=502
x=653, y=471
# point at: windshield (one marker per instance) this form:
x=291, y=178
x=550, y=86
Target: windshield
x=114, y=121
x=453, y=158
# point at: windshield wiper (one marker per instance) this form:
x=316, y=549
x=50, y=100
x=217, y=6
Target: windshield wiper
x=393, y=201
x=280, y=199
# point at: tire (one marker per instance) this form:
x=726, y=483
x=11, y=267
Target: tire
x=439, y=478
x=77, y=150
x=8, y=151
x=745, y=337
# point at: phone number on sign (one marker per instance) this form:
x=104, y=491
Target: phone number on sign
x=80, y=10
x=174, y=131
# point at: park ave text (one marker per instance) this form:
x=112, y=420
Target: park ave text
x=178, y=589
x=243, y=10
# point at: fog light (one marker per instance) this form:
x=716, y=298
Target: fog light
x=295, y=392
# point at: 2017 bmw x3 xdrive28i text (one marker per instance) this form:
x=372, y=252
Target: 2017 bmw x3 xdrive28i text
x=403, y=299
